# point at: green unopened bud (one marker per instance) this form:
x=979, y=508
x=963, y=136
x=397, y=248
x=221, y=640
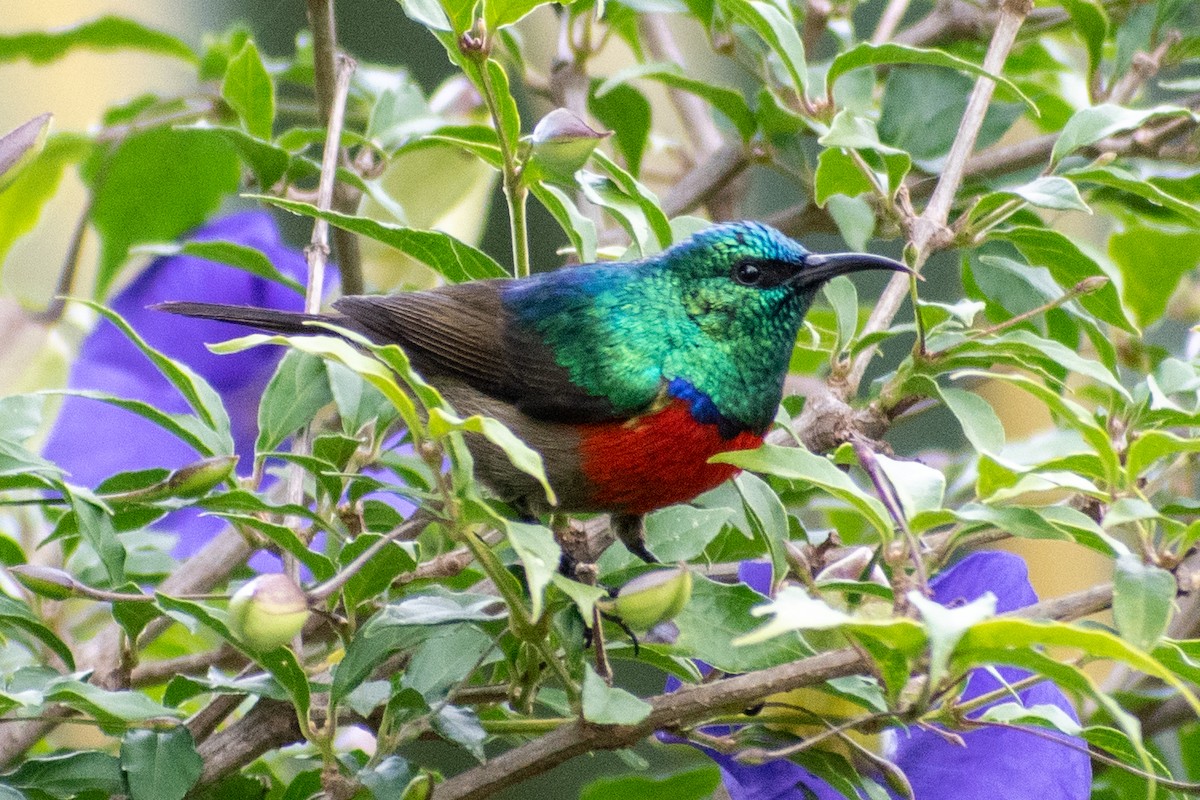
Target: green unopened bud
x=192, y=480
x=562, y=143
x=650, y=598
x=45, y=581
x=268, y=611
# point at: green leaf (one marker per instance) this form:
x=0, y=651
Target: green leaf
x=16, y=615
x=978, y=419
x=867, y=54
x=189, y=611
x=1152, y=263
x=777, y=31
x=945, y=627
x=610, y=705
x=1043, y=715
x=1090, y=125
x=1142, y=599
x=838, y=174
x=580, y=229
x=96, y=527
x=105, y=34
x=509, y=122
x=69, y=775
x=25, y=192
x=297, y=391
x=185, y=427
x=645, y=199
x=918, y=487
x=696, y=784
x=729, y=102
x=539, y=553
x=248, y=259
x=426, y=12
x=288, y=541
x=765, y=518
x=1125, y=181
x=857, y=132
x=453, y=259
x=1090, y=21
x=448, y=656
x=1015, y=634
x=340, y=352
x=626, y=111
x=248, y=90
x=842, y=295
x=498, y=13
x=268, y=161
x=522, y=456
x=1051, y=191
x=1069, y=265
x=681, y=532
x=160, y=765
x=795, y=463
x=380, y=570
x=461, y=726
x=283, y=666
x=1152, y=445
x=156, y=185
x=716, y=616
x=461, y=14
x=109, y=706
x=202, y=398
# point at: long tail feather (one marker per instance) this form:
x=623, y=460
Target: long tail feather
x=265, y=319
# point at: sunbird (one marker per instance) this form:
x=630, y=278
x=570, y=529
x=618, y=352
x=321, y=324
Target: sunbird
x=627, y=377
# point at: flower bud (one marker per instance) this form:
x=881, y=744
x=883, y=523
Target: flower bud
x=192, y=480
x=562, y=143
x=268, y=611
x=650, y=598
x=45, y=581
x=20, y=145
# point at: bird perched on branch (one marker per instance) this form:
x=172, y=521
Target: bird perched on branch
x=626, y=377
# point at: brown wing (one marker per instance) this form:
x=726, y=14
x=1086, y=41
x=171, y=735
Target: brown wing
x=464, y=331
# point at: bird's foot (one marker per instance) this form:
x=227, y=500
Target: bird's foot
x=631, y=530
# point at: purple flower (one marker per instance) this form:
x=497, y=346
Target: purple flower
x=1030, y=766
x=1025, y=765
x=94, y=440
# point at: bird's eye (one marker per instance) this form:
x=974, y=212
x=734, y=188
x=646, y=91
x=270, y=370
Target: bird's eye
x=747, y=273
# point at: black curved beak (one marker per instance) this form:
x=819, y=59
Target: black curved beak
x=820, y=268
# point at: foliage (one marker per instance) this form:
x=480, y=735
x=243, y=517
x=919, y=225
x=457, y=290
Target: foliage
x=1036, y=164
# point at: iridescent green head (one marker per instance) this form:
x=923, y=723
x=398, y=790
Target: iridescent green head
x=756, y=265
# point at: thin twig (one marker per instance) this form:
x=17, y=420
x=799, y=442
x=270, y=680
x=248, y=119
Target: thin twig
x=891, y=501
x=695, y=114
x=928, y=232
x=889, y=21
x=403, y=531
x=66, y=276
x=324, y=27
x=706, y=179
x=317, y=251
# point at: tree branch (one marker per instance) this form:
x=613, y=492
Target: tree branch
x=693, y=704
x=323, y=23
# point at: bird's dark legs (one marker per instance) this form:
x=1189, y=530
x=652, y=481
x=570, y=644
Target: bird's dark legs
x=631, y=530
